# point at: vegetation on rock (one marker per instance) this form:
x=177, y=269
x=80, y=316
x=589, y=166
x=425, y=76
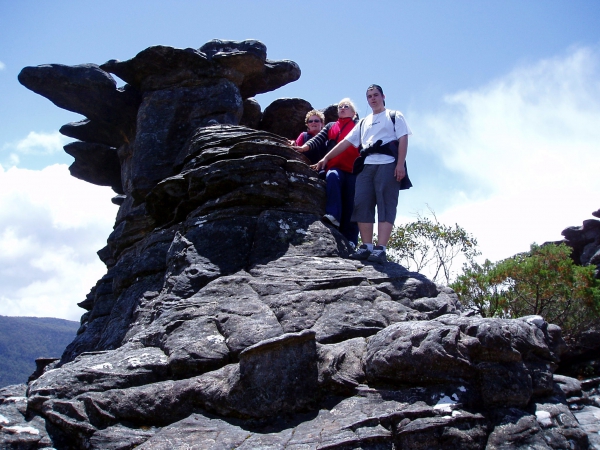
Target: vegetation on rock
x=431, y=246
x=544, y=281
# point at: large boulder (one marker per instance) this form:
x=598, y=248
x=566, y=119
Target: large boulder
x=96, y=164
x=231, y=317
x=88, y=90
x=170, y=92
x=293, y=109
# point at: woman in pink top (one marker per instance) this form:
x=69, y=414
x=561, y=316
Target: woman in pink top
x=315, y=120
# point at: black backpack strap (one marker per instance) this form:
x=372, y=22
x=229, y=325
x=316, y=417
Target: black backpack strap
x=393, y=117
x=360, y=132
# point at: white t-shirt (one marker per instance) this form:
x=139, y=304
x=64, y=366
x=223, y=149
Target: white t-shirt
x=376, y=127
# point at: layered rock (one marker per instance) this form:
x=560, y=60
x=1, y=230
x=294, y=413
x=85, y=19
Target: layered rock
x=169, y=92
x=585, y=242
x=230, y=317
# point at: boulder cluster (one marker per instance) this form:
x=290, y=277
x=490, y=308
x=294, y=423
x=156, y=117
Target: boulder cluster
x=229, y=315
x=585, y=242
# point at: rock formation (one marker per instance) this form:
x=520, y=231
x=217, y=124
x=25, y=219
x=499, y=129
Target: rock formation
x=583, y=355
x=585, y=242
x=229, y=316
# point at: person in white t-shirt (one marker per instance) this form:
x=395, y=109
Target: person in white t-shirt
x=385, y=143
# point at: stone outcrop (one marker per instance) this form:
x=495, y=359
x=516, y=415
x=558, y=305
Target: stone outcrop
x=583, y=355
x=585, y=242
x=230, y=317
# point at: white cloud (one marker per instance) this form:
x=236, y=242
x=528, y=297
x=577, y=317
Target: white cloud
x=51, y=226
x=2, y=65
x=531, y=141
x=42, y=143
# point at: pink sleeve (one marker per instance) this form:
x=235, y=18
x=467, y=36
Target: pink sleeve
x=299, y=140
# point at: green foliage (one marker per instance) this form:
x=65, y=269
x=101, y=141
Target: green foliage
x=23, y=339
x=543, y=281
x=428, y=245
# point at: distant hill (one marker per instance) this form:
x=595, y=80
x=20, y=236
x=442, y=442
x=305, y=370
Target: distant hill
x=23, y=339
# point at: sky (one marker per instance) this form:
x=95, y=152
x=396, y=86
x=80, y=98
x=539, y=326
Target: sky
x=503, y=98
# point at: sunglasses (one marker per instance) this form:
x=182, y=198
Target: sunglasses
x=343, y=106
x=314, y=121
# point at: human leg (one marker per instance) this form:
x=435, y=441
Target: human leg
x=334, y=194
x=386, y=191
x=364, y=211
x=347, y=227
x=384, y=231
x=366, y=232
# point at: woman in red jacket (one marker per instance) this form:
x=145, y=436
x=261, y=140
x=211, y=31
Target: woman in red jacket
x=340, y=179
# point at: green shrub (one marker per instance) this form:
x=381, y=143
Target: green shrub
x=543, y=281
x=428, y=245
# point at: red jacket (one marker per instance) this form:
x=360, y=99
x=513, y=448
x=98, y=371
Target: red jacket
x=344, y=161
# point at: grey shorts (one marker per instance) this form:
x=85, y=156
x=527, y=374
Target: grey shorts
x=376, y=186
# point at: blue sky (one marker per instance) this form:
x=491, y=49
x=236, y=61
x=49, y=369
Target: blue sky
x=503, y=98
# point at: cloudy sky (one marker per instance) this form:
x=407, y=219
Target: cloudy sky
x=503, y=98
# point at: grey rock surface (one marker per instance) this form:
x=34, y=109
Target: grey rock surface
x=293, y=109
x=230, y=316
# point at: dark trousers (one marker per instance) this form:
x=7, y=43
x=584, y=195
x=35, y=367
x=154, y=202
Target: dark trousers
x=340, y=201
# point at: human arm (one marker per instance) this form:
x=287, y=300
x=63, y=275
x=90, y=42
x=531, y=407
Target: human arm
x=335, y=151
x=400, y=172
x=299, y=140
x=318, y=140
x=298, y=144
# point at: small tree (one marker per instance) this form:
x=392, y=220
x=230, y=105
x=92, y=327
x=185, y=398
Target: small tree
x=427, y=244
x=543, y=281
x=476, y=290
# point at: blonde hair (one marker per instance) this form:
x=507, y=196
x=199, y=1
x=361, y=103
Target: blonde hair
x=314, y=112
x=349, y=102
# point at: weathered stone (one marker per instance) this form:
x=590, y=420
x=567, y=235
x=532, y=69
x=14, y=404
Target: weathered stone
x=85, y=89
x=119, y=437
x=230, y=315
x=587, y=417
x=18, y=429
x=341, y=365
x=252, y=114
x=275, y=75
x=293, y=109
x=289, y=385
x=244, y=63
x=94, y=132
x=99, y=371
x=96, y=164
x=166, y=119
x=160, y=66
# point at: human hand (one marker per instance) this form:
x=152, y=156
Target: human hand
x=399, y=172
x=319, y=166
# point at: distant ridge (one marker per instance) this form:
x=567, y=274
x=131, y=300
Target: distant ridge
x=23, y=339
